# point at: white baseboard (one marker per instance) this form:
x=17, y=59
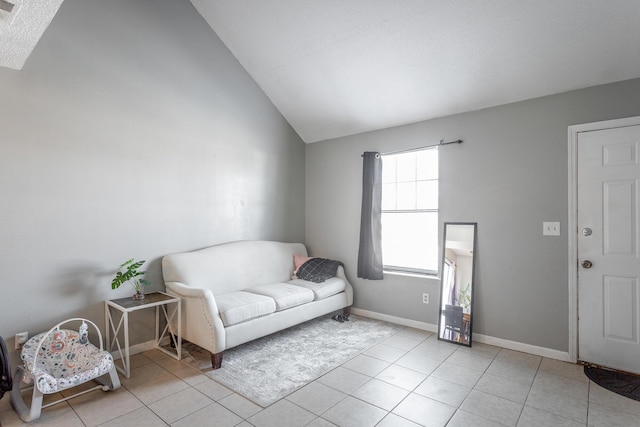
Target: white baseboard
x=525, y=348
x=397, y=320
x=135, y=349
x=484, y=339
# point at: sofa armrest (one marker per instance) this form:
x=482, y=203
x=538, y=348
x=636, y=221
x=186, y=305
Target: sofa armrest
x=348, y=289
x=201, y=322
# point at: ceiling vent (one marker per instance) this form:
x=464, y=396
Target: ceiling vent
x=6, y=6
x=8, y=11
x=22, y=23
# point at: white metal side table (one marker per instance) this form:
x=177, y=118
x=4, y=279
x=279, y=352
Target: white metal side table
x=159, y=300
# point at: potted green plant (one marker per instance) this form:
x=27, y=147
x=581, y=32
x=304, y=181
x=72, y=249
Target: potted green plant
x=464, y=297
x=128, y=272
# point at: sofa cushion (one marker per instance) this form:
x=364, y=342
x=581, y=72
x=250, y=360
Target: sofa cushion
x=233, y=267
x=323, y=289
x=285, y=295
x=237, y=307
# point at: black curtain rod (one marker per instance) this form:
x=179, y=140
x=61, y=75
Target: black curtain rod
x=457, y=141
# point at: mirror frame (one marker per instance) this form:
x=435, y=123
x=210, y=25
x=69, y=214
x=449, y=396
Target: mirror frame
x=441, y=337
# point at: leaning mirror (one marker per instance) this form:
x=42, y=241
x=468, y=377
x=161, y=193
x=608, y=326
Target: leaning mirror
x=456, y=286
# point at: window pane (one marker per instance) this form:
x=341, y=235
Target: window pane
x=388, y=169
x=406, y=195
x=427, y=161
x=410, y=240
x=389, y=196
x=406, y=167
x=427, y=197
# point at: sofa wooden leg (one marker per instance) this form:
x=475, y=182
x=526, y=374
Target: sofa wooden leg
x=347, y=311
x=216, y=360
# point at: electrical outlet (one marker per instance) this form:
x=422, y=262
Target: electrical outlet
x=551, y=228
x=425, y=298
x=21, y=338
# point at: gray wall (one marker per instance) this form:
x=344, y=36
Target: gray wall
x=131, y=132
x=509, y=176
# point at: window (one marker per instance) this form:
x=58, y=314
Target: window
x=410, y=211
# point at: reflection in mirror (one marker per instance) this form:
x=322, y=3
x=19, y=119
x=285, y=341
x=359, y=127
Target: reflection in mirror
x=456, y=288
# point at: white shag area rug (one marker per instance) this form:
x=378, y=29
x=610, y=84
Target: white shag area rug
x=270, y=368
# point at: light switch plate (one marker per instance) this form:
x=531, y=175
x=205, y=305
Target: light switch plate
x=551, y=228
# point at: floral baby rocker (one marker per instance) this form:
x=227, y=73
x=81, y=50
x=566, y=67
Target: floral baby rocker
x=58, y=360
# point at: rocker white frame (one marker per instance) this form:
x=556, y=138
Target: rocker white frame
x=27, y=414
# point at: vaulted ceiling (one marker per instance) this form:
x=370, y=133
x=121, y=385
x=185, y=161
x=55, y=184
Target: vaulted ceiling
x=341, y=67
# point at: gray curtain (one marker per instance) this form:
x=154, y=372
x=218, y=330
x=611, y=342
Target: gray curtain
x=370, y=252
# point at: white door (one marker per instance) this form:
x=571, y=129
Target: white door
x=608, y=256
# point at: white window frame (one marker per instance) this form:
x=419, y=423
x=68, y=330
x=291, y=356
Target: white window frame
x=406, y=269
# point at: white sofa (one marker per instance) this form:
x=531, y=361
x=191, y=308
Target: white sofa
x=236, y=292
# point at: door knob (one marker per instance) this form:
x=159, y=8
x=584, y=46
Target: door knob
x=586, y=231
x=587, y=264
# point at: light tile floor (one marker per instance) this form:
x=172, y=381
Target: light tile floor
x=411, y=379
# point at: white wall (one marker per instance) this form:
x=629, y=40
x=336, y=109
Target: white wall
x=509, y=176
x=131, y=132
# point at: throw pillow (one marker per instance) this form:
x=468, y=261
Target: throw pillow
x=298, y=260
